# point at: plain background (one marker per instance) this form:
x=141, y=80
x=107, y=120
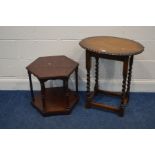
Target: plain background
x=77, y=13
x=20, y=45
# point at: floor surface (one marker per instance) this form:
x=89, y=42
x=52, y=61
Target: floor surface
x=16, y=112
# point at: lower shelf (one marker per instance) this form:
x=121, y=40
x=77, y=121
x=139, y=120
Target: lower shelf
x=56, y=101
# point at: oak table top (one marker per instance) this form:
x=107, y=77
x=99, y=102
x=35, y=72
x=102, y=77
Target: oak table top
x=111, y=45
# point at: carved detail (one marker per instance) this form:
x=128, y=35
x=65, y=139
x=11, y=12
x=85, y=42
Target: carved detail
x=124, y=84
x=129, y=75
x=96, y=74
x=88, y=67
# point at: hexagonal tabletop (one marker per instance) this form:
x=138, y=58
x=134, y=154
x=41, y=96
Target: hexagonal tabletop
x=52, y=67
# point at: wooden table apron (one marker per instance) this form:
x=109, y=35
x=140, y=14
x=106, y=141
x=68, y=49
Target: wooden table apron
x=127, y=71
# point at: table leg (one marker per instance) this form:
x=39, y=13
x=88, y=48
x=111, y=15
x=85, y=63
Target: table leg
x=125, y=73
x=43, y=94
x=88, y=67
x=65, y=81
x=63, y=84
x=129, y=77
x=76, y=79
x=96, y=74
x=31, y=86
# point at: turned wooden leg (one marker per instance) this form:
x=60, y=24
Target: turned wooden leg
x=76, y=79
x=129, y=78
x=65, y=81
x=125, y=73
x=96, y=74
x=43, y=94
x=88, y=67
x=31, y=86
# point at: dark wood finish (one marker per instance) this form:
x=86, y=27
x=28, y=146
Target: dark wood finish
x=52, y=67
x=112, y=48
x=54, y=100
x=127, y=69
x=88, y=67
x=105, y=107
x=129, y=78
x=66, y=92
x=76, y=79
x=31, y=86
x=96, y=74
x=123, y=96
x=43, y=93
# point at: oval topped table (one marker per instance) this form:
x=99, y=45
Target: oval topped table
x=113, y=48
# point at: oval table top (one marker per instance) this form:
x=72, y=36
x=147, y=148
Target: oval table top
x=111, y=45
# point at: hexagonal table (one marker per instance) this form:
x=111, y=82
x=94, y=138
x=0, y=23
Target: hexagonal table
x=56, y=100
